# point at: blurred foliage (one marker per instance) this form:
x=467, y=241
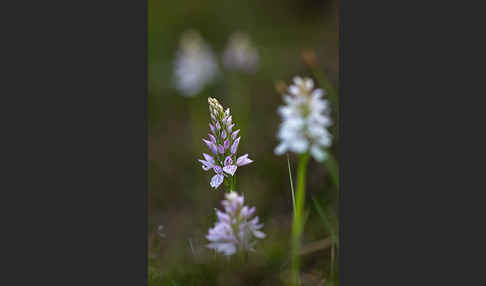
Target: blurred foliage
x=180, y=198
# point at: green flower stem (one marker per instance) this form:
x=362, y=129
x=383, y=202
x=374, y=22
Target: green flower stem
x=232, y=184
x=298, y=221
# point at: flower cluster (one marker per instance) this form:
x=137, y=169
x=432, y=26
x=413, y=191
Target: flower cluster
x=240, y=53
x=234, y=230
x=305, y=119
x=195, y=65
x=223, y=143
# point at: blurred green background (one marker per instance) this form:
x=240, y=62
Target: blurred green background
x=181, y=202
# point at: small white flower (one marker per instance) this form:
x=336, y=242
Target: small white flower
x=240, y=54
x=305, y=119
x=195, y=65
x=160, y=231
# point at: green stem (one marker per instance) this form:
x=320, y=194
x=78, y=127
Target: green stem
x=298, y=222
x=232, y=184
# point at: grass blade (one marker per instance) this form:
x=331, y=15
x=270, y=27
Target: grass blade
x=326, y=221
x=291, y=183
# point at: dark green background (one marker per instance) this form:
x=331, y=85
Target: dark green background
x=180, y=198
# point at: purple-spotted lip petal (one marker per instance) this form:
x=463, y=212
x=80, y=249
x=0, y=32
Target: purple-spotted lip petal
x=230, y=169
x=216, y=180
x=228, y=161
x=212, y=138
x=217, y=169
x=223, y=134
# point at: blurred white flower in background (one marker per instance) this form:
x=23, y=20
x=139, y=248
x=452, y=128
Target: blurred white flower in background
x=240, y=54
x=195, y=65
x=160, y=231
x=305, y=118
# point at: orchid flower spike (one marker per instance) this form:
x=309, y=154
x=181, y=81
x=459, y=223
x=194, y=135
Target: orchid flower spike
x=305, y=119
x=223, y=144
x=235, y=229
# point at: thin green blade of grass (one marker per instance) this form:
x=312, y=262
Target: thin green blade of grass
x=291, y=183
x=326, y=221
x=298, y=221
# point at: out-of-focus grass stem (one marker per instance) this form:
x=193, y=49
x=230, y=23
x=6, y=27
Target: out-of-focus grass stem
x=326, y=221
x=291, y=183
x=334, y=238
x=298, y=221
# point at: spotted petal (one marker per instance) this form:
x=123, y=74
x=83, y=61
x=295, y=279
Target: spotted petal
x=230, y=169
x=217, y=180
